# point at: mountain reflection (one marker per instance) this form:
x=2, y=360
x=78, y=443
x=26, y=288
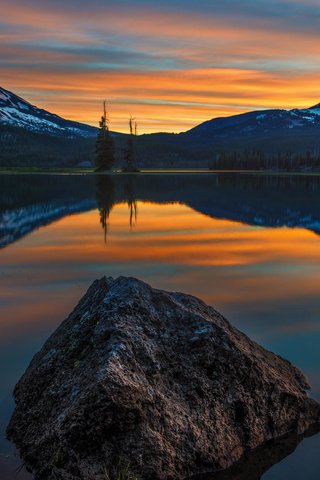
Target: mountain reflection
x=31, y=201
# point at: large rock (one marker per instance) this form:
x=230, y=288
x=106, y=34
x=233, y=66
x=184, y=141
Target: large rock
x=160, y=380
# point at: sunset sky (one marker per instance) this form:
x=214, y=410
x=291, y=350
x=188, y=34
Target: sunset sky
x=173, y=64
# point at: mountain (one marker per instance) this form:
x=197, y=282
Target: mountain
x=17, y=112
x=259, y=122
x=274, y=139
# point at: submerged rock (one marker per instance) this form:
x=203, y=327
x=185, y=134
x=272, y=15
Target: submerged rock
x=159, y=380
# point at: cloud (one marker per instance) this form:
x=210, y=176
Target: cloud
x=180, y=58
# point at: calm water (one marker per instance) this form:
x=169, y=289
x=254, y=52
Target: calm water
x=249, y=245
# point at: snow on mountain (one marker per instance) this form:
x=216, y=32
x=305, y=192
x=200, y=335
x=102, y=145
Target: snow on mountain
x=17, y=112
x=259, y=122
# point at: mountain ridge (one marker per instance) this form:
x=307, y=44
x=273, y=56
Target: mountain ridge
x=56, y=124
x=261, y=121
x=264, y=139
x=17, y=112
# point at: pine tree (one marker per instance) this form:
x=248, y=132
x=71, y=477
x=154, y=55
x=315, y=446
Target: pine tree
x=105, y=150
x=129, y=151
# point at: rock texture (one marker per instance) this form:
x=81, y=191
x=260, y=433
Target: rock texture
x=157, y=379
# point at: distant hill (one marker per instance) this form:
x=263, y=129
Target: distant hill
x=276, y=139
x=271, y=139
x=259, y=122
x=21, y=147
x=31, y=136
x=17, y=112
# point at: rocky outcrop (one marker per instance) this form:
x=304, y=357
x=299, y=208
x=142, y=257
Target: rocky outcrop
x=160, y=380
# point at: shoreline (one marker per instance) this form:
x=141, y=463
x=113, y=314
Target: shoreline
x=146, y=171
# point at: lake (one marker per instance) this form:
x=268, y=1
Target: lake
x=247, y=244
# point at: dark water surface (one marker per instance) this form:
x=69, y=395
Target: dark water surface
x=247, y=244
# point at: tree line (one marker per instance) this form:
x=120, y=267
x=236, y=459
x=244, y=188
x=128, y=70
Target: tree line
x=258, y=160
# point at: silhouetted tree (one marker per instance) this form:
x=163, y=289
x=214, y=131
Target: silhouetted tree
x=105, y=150
x=129, y=150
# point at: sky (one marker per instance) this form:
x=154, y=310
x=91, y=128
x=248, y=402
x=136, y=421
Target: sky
x=171, y=63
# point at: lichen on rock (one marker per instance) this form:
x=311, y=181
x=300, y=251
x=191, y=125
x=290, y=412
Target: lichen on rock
x=159, y=379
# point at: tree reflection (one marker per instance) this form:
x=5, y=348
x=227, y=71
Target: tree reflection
x=130, y=194
x=106, y=199
x=105, y=194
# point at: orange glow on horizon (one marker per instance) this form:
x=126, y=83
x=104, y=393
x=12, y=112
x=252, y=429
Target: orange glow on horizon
x=173, y=70
x=166, y=108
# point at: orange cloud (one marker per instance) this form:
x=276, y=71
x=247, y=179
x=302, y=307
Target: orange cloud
x=172, y=70
x=171, y=101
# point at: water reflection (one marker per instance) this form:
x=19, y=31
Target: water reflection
x=105, y=194
x=253, y=465
x=28, y=202
x=131, y=195
x=248, y=245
